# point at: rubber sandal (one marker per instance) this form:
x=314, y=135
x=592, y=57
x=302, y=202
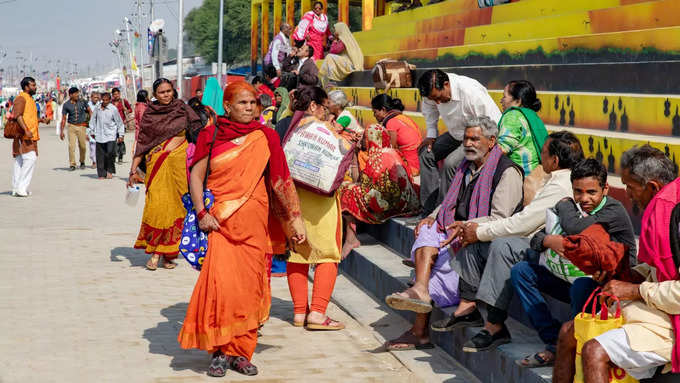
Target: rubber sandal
x=242, y=365
x=169, y=265
x=534, y=360
x=410, y=340
x=399, y=302
x=326, y=325
x=408, y=263
x=218, y=365
x=152, y=264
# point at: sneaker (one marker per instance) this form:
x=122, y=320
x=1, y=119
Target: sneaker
x=473, y=319
x=82, y=165
x=18, y=194
x=72, y=168
x=484, y=341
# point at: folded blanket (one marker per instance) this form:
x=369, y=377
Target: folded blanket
x=593, y=251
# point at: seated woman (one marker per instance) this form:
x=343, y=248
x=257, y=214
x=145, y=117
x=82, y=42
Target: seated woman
x=404, y=132
x=384, y=189
x=345, y=122
x=521, y=132
x=344, y=56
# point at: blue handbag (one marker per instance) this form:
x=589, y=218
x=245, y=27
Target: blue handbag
x=194, y=243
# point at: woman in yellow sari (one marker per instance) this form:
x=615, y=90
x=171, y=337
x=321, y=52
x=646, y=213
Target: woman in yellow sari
x=162, y=144
x=343, y=58
x=251, y=183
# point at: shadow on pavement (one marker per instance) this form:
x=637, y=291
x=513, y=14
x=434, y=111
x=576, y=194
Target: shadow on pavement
x=163, y=340
x=63, y=169
x=136, y=257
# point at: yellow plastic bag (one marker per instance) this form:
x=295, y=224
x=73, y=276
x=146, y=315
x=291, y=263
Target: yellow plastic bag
x=589, y=325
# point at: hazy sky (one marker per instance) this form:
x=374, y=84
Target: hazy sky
x=76, y=30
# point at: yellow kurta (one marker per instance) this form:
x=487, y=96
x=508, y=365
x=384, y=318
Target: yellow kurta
x=323, y=223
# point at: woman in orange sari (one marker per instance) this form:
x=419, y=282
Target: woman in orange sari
x=250, y=180
x=162, y=144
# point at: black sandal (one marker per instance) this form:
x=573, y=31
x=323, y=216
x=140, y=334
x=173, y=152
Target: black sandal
x=218, y=365
x=242, y=365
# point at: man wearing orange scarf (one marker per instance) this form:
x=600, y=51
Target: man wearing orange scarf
x=651, y=301
x=25, y=149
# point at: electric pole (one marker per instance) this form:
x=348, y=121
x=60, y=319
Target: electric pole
x=180, y=43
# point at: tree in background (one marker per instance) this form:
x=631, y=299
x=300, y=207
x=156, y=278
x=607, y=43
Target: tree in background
x=200, y=27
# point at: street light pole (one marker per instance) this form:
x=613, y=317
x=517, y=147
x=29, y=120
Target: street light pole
x=132, y=72
x=220, y=43
x=180, y=46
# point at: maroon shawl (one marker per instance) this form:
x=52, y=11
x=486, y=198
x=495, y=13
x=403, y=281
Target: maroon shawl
x=161, y=122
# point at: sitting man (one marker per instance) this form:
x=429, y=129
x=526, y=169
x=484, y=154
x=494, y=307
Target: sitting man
x=488, y=186
x=484, y=266
x=556, y=275
x=307, y=71
x=651, y=304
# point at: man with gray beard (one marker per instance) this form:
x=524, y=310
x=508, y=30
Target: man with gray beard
x=487, y=187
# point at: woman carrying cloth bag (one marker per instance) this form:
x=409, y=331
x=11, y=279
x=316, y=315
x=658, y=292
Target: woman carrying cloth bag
x=250, y=180
x=162, y=144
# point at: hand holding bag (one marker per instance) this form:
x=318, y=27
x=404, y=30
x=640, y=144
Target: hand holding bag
x=194, y=243
x=12, y=128
x=589, y=325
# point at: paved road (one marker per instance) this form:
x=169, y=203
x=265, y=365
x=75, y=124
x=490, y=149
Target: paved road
x=77, y=305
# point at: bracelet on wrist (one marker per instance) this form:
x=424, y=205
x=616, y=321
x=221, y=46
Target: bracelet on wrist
x=202, y=214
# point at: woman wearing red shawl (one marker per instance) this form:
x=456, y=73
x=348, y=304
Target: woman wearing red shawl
x=384, y=189
x=313, y=28
x=162, y=144
x=251, y=183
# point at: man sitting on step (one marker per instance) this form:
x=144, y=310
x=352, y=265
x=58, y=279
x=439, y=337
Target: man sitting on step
x=488, y=186
x=651, y=301
x=492, y=248
x=546, y=271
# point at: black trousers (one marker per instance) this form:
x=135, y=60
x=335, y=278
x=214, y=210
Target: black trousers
x=435, y=182
x=106, y=158
x=120, y=150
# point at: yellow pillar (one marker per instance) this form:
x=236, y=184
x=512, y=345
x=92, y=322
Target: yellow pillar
x=290, y=12
x=305, y=6
x=343, y=11
x=277, y=17
x=265, y=27
x=367, y=13
x=380, y=11
x=253, y=36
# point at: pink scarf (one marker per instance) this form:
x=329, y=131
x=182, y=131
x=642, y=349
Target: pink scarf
x=655, y=246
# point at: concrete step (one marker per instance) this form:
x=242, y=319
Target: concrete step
x=434, y=365
x=476, y=29
x=631, y=113
x=606, y=76
x=380, y=272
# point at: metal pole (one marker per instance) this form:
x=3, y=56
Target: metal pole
x=180, y=43
x=140, y=64
x=154, y=75
x=220, y=43
x=132, y=72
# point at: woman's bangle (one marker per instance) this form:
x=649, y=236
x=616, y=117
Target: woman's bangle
x=202, y=214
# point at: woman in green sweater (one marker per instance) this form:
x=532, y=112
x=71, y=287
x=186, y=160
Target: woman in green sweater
x=521, y=132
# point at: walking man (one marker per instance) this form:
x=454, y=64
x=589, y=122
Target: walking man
x=123, y=108
x=25, y=149
x=76, y=112
x=93, y=103
x=108, y=129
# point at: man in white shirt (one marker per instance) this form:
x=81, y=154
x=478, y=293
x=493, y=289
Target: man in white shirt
x=455, y=99
x=491, y=249
x=279, y=48
x=93, y=104
x=106, y=125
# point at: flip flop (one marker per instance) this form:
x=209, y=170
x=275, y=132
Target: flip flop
x=399, y=302
x=408, y=263
x=535, y=360
x=326, y=325
x=410, y=340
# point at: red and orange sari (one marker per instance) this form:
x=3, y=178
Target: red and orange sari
x=251, y=183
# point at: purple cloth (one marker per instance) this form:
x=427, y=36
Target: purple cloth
x=443, y=284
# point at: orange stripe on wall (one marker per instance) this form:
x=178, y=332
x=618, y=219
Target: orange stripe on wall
x=459, y=20
x=644, y=16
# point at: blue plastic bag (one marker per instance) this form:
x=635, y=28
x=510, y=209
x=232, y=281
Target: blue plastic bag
x=194, y=243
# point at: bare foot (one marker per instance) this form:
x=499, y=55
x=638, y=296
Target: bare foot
x=299, y=318
x=349, y=246
x=109, y=176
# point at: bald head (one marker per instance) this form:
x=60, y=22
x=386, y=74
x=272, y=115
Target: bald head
x=286, y=29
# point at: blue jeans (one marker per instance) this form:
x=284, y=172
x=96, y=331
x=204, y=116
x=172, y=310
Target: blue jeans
x=532, y=279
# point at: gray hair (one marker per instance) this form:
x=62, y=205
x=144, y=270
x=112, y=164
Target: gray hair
x=646, y=163
x=489, y=128
x=339, y=97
